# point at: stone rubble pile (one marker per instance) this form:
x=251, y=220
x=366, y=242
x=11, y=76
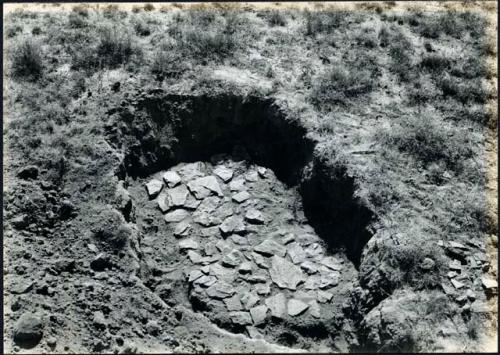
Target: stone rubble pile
x=243, y=254
x=465, y=262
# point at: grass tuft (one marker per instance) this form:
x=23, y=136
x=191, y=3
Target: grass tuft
x=340, y=85
x=27, y=60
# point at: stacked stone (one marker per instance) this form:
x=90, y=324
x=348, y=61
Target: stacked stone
x=239, y=257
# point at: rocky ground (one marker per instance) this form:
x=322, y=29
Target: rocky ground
x=239, y=179
x=240, y=239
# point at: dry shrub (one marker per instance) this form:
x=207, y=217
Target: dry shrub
x=27, y=60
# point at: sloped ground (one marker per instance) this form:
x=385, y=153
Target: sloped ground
x=403, y=151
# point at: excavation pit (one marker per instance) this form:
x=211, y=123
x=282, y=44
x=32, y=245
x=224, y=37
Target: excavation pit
x=239, y=218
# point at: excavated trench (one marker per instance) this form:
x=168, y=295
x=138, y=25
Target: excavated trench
x=167, y=130
x=161, y=133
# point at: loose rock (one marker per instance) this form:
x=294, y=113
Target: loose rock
x=240, y=318
x=224, y=173
x=233, y=224
x=277, y=305
x=176, y=216
x=220, y=290
x=154, y=187
x=188, y=244
x=254, y=216
x=259, y=314
x=233, y=258
x=171, y=178
x=296, y=307
x=241, y=196
x=296, y=253
x=270, y=247
x=249, y=300
x=233, y=303
x=28, y=330
x=285, y=274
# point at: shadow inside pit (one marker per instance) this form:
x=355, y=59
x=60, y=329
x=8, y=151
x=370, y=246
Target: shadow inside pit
x=165, y=130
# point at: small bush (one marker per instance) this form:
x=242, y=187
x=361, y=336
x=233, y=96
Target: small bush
x=367, y=39
x=202, y=18
x=426, y=139
x=113, y=12
x=323, y=22
x=339, y=85
x=209, y=44
x=400, y=51
x=115, y=47
x=464, y=91
x=451, y=23
x=204, y=35
x=81, y=10
x=149, y=7
x=470, y=68
x=141, y=28
x=76, y=21
x=435, y=63
x=12, y=31
x=384, y=37
x=406, y=260
x=276, y=18
x=27, y=60
x=36, y=31
x=168, y=63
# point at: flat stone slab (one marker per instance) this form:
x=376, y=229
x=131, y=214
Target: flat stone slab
x=192, y=170
x=209, y=204
x=296, y=253
x=188, y=244
x=194, y=257
x=332, y=263
x=314, y=309
x=309, y=267
x=329, y=280
x=233, y=224
x=241, y=197
x=277, y=305
x=206, y=219
x=259, y=314
x=296, y=307
x=324, y=296
x=194, y=275
x=237, y=185
x=154, y=187
x=285, y=274
x=233, y=258
x=176, y=215
x=177, y=196
x=233, y=303
x=240, y=318
x=182, y=229
x=260, y=261
x=254, y=216
x=252, y=176
x=489, y=283
x=270, y=247
x=204, y=187
x=245, y=267
x=225, y=174
x=171, y=178
x=220, y=290
x=249, y=299
x=206, y=281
